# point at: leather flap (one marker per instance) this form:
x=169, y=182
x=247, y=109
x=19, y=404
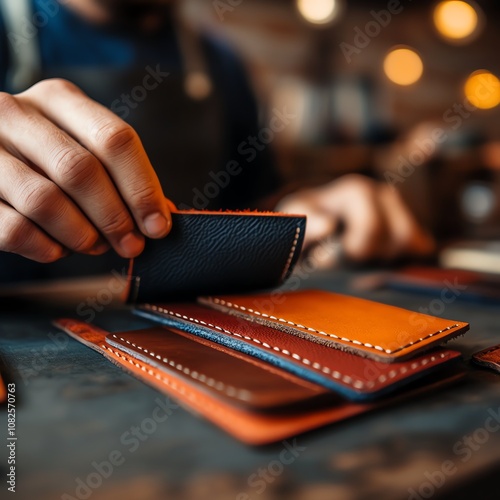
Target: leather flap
x=369, y=329
x=217, y=252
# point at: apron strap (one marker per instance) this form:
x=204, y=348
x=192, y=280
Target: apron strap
x=24, y=53
x=197, y=80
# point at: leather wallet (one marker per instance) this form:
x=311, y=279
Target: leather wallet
x=264, y=366
x=352, y=376
x=490, y=358
x=369, y=329
x=217, y=252
x=255, y=402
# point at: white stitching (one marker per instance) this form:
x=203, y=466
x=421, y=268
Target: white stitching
x=344, y=339
x=215, y=384
x=358, y=384
x=292, y=253
x=189, y=394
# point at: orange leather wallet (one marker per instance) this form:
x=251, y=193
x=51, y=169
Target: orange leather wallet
x=265, y=366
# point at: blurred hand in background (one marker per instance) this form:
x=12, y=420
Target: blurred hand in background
x=370, y=219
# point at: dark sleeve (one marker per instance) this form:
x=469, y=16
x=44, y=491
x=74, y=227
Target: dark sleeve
x=246, y=144
x=4, y=55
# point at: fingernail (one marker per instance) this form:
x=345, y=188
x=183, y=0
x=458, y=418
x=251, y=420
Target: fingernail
x=131, y=245
x=99, y=248
x=157, y=225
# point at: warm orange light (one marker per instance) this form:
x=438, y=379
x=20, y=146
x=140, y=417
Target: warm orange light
x=318, y=11
x=482, y=89
x=403, y=66
x=455, y=20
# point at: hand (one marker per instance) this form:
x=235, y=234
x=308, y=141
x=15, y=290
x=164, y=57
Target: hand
x=74, y=177
x=376, y=223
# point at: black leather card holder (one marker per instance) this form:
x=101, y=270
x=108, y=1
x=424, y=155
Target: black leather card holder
x=217, y=252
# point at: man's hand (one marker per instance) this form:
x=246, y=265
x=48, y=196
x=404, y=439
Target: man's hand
x=376, y=223
x=73, y=177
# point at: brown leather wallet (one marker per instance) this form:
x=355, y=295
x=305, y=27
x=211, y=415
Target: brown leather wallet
x=251, y=400
x=490, y=358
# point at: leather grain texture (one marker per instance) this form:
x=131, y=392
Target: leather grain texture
x=256, y=428
x=354, y=377
x=490, y=358
x=217, y=252
x=369, y=329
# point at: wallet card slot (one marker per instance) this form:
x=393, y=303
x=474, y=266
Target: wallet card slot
x=353, y=377
x=366, y=328
x=215, y=369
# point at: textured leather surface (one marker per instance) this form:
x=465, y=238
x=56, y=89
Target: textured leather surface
x=489, y=357
x=354, y=377
x=255, y=428
x=217, y=252
x=363, y=327
x=224, y=373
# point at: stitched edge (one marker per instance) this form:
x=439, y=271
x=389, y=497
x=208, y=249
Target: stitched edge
x=229, y=390
x=346, y=379
x=291, y=254
x=313, y=330
x=180, y=389
x=487, y=350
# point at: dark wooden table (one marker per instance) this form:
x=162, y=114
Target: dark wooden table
x=75, y=409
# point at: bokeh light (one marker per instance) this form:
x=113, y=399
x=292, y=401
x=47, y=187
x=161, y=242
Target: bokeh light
x=482, y=89
x=403, y=66
x=318, y=11
x=456, y=20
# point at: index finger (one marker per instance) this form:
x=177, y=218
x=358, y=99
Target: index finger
x=115, y=144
